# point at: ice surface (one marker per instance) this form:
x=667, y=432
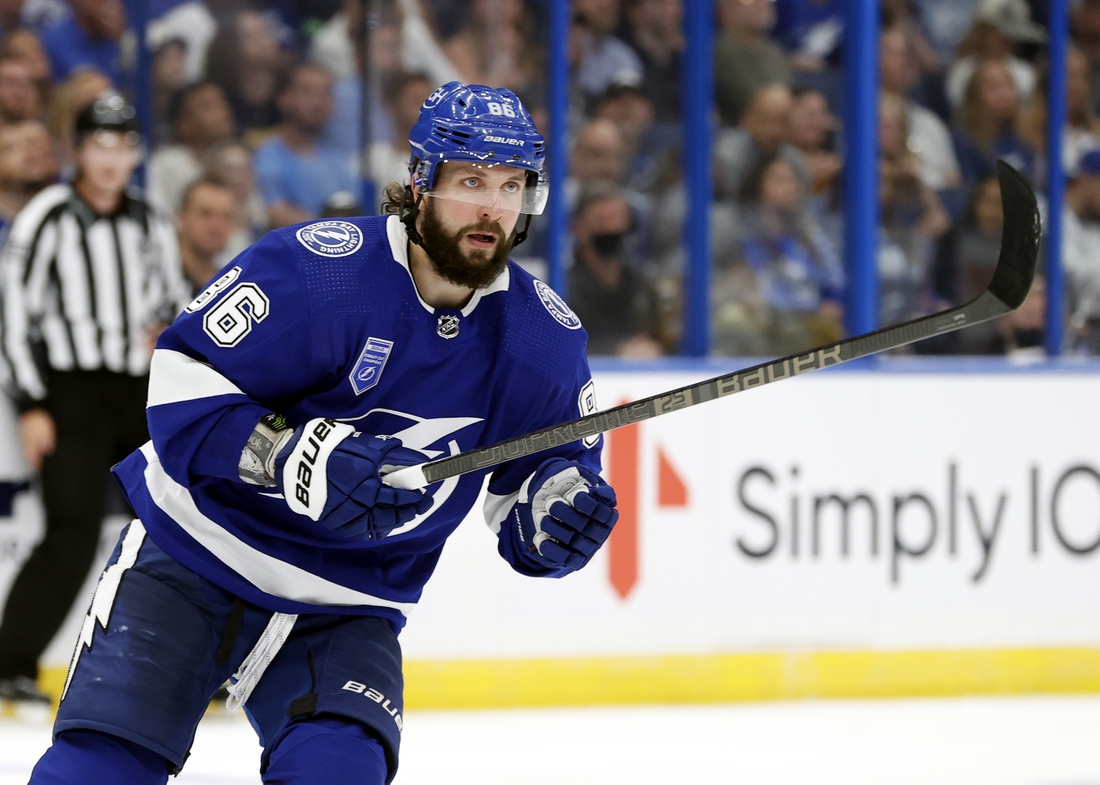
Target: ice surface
x=1003, y=741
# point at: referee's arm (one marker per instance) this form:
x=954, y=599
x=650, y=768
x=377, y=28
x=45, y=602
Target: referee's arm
x=172, y=291
x=24, y=266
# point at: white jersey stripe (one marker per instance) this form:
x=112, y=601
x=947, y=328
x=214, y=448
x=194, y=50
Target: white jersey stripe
x=77, y=302
x=108, y=304
x=174, y=377
x=265, y=572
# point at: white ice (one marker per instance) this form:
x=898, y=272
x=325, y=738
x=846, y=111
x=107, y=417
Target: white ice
x=1037, y=740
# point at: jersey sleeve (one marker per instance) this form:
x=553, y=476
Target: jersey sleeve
x=172, y=290
x=244, y=347
x=550, y=404
x=26, y=267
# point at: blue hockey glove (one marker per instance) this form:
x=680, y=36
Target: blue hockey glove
x=569, y=516
x=329, y=472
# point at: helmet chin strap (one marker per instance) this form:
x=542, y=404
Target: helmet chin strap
x=522, y=234
x=407, y=213
x=408, y=210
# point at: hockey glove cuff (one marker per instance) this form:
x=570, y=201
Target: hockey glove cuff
x=329, y=472
x=569, y=516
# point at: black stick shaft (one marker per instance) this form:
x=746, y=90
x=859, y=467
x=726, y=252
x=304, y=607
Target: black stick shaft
x=1006, y=292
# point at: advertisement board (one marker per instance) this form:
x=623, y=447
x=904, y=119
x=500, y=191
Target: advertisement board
x=849, y=532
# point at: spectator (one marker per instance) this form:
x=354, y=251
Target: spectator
x=296, y=171
x=1081, y=132
x=999, y=25
x=763, y=133
x=204, y=224
x=946, y=23
x=231, y=162
x=912, y=220
x=19, y=96
x=346, y=125
x=497, y=46
x=89, y=37
x=202, y=118
x=614, y=301
x=602, y=59
x=929, y=137
x=906, y=17
x=654, y=30
x=797, y=277
x=77, y=92
x=244, y=59
x=24, y=45
x=986, y=125
x=745, y=58
x=193, y=26
x=647, y=144
x=1081, y=251
x=80, y=372
x=599, y=153
x=1085, y=31
x=169, y=79
x=332, y=46
x=811, y=31
x=27, y=165
x=405, y=94
x=812, y=130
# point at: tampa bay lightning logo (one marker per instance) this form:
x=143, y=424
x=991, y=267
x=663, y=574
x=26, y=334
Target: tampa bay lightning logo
x=331, y=238
x=557, y=307
x=372, y=361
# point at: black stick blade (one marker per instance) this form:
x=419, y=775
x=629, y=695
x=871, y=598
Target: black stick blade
x=1019, y=239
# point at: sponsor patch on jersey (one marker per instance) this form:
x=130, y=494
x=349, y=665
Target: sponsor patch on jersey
x=213, y=290
x=372, y=361
x=331, y=238
x=586, y=402
x=557, y=307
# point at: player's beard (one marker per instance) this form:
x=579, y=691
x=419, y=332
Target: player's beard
x=473, y=269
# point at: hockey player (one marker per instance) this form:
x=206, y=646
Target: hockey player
x=267, y=547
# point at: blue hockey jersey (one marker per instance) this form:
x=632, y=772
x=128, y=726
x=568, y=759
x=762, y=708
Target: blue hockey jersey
x=324, y=320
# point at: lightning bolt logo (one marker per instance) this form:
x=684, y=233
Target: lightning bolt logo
x=104, y=599
x=331, y=238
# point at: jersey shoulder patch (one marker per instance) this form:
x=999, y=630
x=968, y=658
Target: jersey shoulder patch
x=556, y=307
x=331, y=239
x=540, y=330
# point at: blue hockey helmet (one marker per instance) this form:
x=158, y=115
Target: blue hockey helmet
x=484, y=126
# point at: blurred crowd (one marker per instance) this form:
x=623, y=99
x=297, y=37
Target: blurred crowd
x=257, y=124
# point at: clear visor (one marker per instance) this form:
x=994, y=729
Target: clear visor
x=500, y=186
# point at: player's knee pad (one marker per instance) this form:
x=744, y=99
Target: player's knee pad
x=327, y=750
x=88, y=757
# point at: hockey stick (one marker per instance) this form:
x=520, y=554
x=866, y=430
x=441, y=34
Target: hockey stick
x=1006, y=292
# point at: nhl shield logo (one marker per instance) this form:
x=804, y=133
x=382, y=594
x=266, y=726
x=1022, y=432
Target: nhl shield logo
x=447, y=326
x=372, y=361
x=331, y=238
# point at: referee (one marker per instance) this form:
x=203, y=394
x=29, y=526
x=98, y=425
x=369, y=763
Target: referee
x=90, y=275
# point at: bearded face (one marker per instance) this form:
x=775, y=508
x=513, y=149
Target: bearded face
x=474, y=268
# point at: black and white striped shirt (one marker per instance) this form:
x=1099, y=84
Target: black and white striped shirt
x=80, y=290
